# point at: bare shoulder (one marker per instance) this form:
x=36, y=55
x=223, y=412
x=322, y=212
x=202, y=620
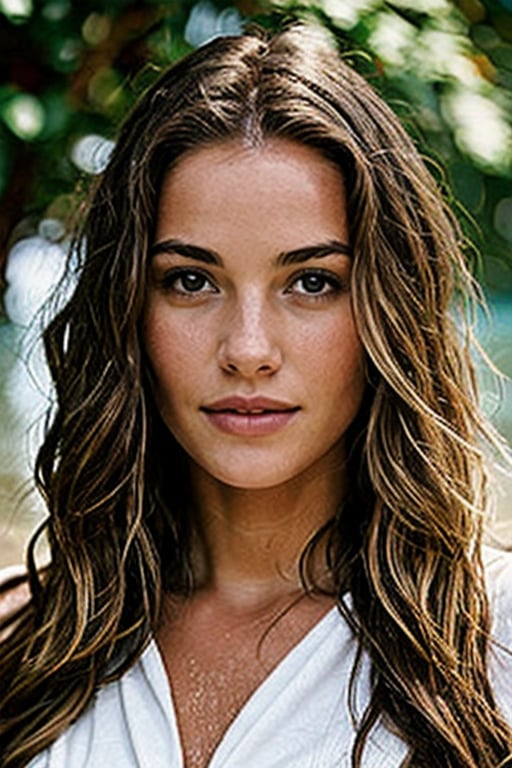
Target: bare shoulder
x=14, y=598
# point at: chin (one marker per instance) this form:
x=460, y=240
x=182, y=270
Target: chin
x=254, y=482
x=251, y=477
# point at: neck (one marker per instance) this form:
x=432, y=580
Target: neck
x=252, y=540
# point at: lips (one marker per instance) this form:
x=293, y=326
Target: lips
x=240, y=404
x=250, y=416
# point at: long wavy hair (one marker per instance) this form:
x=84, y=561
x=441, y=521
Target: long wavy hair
x=406, y=541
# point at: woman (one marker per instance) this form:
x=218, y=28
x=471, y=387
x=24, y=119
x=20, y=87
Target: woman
x=264, y=470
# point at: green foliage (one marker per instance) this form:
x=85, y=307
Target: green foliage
x=447, y=70
x=72, y=69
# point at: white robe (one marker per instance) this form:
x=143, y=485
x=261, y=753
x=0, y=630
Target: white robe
x=297, y=718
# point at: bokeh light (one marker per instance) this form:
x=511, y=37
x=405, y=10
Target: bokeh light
x=16, y=10
x=34, y=268
x=91, y=153
x=24, y=115
x=96, y=28
x=206, y=22
x=481, y=128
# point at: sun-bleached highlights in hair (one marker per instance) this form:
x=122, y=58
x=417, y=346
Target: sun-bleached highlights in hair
x=406, y=542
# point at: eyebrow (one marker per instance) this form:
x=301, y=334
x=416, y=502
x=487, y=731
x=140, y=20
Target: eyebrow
x=284, y=259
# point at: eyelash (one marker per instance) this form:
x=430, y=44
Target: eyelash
x=169, y=280
x=334, y=284
x=328, y=279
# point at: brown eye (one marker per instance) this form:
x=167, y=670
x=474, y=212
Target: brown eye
x=188, y=281
x=315, y=283
x=191, y=282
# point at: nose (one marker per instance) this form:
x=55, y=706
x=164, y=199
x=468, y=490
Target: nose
x=249, y=343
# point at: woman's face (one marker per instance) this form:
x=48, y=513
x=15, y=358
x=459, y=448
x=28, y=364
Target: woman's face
x=248, y=325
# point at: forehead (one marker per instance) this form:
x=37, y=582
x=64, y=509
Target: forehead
x=268, y=191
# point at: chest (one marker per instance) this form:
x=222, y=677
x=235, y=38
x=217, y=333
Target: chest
x=208, y=696
x=216, y=666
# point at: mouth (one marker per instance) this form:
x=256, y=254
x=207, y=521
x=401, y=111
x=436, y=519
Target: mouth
x=252, y=406
x=249, y=412
x=250, y=417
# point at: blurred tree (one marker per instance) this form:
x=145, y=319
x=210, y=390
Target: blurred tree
x=446, y=68
x=70, y=70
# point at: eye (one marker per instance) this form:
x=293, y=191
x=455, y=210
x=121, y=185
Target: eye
x=187, y=282
x=316, y=283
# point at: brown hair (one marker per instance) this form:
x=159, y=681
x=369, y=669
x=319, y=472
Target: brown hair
x=406, y=542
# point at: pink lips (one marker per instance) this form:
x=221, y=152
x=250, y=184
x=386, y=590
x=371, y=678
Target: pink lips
x=249, y=416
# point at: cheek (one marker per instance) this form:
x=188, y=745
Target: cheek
x=334, y=353
x=167, y=352
x=173, y=348
x=342, y=368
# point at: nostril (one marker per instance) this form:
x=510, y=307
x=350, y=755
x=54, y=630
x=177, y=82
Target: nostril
x=247, y=355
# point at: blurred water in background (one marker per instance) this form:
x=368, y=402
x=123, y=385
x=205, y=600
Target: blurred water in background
x=34, y=266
